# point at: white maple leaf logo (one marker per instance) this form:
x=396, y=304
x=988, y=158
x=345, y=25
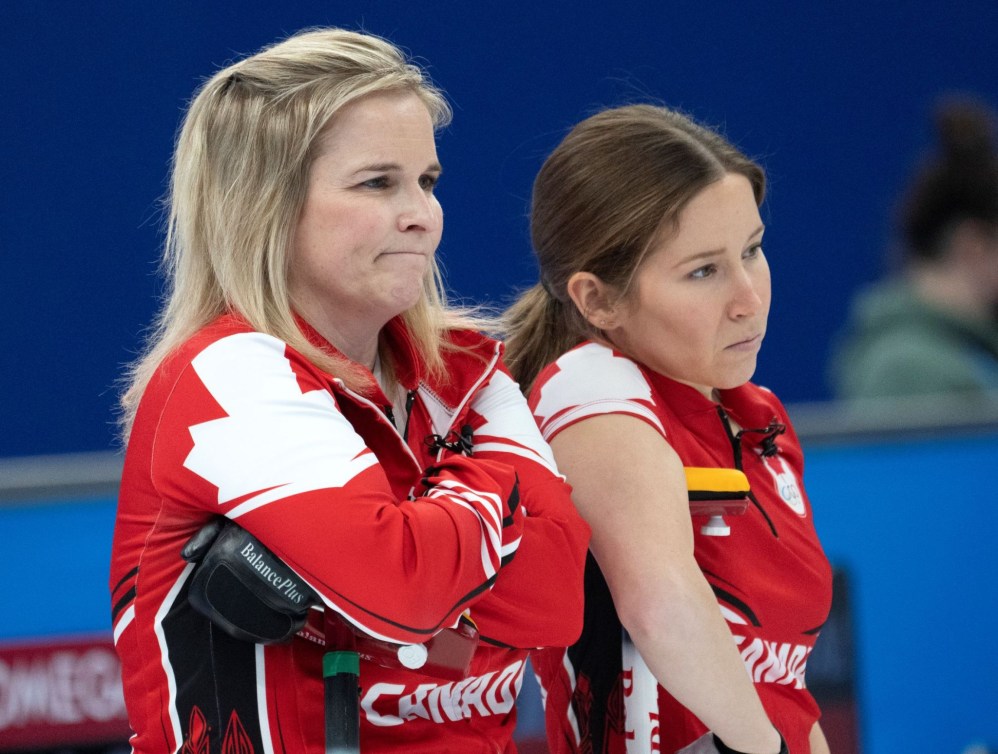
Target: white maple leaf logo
x=508, y=421
x=592, y=380
x=275, y=441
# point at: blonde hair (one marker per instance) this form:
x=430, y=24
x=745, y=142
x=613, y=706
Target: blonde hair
x=599, y=201
x=239, y=180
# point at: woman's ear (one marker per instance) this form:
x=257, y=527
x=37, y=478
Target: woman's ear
x=594, y=299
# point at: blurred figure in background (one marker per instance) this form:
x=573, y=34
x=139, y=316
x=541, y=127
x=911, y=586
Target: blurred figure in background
x=933, y=328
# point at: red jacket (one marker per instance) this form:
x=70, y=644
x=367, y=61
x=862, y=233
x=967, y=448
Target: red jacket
x=237, y=423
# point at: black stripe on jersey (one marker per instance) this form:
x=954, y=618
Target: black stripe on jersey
x=280, y=744
x=597, y=701
x=215, y=675
x=495, y=643
x=729, y=598
x=514, y=495
x=130, y=575
x=121, y=604
x=757, y=504
x=484, y=586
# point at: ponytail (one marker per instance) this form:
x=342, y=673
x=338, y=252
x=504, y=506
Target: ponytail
x=538, y=329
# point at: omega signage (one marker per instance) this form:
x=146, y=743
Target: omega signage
x=60, y=692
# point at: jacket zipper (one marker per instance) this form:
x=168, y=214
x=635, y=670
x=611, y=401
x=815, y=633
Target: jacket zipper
x=736, y=449
x=410, y=398
x=489, y=370
x=384, y=411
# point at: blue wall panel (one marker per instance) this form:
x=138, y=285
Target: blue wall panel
x=60, y=553
x=912, y=523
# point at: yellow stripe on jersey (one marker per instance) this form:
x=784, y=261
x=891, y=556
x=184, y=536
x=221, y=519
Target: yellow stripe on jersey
x=704, y=483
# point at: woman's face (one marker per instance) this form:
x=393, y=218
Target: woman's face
x=370, y=224
x=698, y=308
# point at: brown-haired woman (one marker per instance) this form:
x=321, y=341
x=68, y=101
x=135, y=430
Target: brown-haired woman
x=636, y=348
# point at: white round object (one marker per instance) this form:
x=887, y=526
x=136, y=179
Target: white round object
x=412, y=656
x=715, y=527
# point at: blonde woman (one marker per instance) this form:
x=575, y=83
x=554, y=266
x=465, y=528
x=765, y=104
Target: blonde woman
x=637, y=348
x=307, y=381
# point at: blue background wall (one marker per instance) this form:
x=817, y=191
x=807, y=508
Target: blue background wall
x=832, y=97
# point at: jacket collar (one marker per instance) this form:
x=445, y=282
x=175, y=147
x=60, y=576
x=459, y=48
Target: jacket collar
x=475, y=359
x=739, y=402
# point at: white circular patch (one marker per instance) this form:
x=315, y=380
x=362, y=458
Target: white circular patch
x=786, y=484
x=412, y=656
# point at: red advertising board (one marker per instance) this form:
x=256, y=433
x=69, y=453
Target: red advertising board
x=60, y=692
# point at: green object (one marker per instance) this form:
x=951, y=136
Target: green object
x=336, y=663
x=895, y=345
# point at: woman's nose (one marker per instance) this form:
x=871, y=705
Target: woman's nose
x=419, y=211
x=747, y=297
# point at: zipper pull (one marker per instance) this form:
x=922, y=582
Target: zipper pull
x=410, y=398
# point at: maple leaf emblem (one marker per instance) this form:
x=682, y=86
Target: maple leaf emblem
x=276, y=440
x=615, y=382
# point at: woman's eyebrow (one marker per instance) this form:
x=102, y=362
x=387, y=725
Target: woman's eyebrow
x=394, y=167
x=709, y=253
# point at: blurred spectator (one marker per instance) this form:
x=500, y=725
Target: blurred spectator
x=933, y=328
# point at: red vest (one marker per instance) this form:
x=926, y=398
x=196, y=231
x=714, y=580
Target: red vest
x=770, y=576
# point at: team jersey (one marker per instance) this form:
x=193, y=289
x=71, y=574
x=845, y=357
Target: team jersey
x=770, y=576
x=237, y=423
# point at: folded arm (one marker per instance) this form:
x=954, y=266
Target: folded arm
x=251, y=434
x=537, y=599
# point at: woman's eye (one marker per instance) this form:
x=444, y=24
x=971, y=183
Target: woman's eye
x=753, y=251
x=376, y=183
x=703, y=272
x=429, y=182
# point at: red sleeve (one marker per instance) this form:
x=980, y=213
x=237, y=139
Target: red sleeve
x=250, y=431
x=537, y=600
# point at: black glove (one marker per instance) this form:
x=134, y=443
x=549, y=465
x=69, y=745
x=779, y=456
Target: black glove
x=244, y=588
x=725, y=749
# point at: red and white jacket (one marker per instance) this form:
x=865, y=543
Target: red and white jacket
x=237, y=423
x=770, y=576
